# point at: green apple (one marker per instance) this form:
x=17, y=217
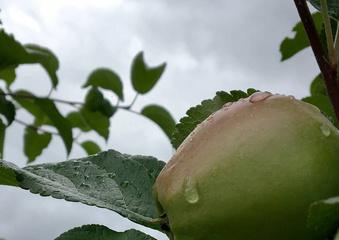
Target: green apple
x=250, y=172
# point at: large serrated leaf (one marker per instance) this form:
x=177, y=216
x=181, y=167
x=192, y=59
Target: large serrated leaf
x=323, y=217
x=35, y=143
x=291, y=46
x=99, y=232
x=199, y=113
x=111, y=180
x=161, y=117
x=12, y=54
x=143, y=77
x=333, y=7
x=58, y=120
x=107, y=79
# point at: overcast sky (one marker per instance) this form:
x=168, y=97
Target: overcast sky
x=208, y=45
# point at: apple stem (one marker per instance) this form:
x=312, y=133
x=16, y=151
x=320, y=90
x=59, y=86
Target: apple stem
x=328, y=70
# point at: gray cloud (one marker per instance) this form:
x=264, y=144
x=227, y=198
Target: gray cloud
x=208, y=45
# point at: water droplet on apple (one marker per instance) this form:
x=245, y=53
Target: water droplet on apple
x=227, y=104
x=259, y=96
x=325, y=130
x=190, y=191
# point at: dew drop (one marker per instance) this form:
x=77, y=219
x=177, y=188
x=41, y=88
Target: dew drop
x=259, y=96
x=190, y=191
x=325, y=130
x=111, y=175
x=125, y=183
x=85, y=185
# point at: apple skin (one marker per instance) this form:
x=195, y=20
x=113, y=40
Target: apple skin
x=250, y=172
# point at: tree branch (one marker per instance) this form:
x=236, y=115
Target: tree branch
x=73, y=103
x=35, y=128
x=328, y=71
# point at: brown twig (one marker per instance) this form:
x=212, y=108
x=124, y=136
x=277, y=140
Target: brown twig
x=328, y=71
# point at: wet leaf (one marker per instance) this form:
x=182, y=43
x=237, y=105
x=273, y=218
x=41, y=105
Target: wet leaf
x=111, y=180
x=99, y=232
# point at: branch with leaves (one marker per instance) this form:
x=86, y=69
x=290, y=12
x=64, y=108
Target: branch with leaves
x=92, y=114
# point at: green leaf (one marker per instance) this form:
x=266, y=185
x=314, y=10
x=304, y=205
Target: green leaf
x=8, y=75
x=111, y=180
x=12, y=54
x=7, y=175
x=2, y=138
x=199, y=113
x=97, y=121
x=90, y=147
x=318, y=86
x=323, y=217
x=99, y=232
x=77, y=120
x=291, y=46
x=95, y=101
x=7, y=108
x=59, y=122
x=107, y=79
x=46, y=58
x=161, y=117
x=333, y=7
x=324, y=104
x=26, y=100
x=143, y=77
x=35, y=143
